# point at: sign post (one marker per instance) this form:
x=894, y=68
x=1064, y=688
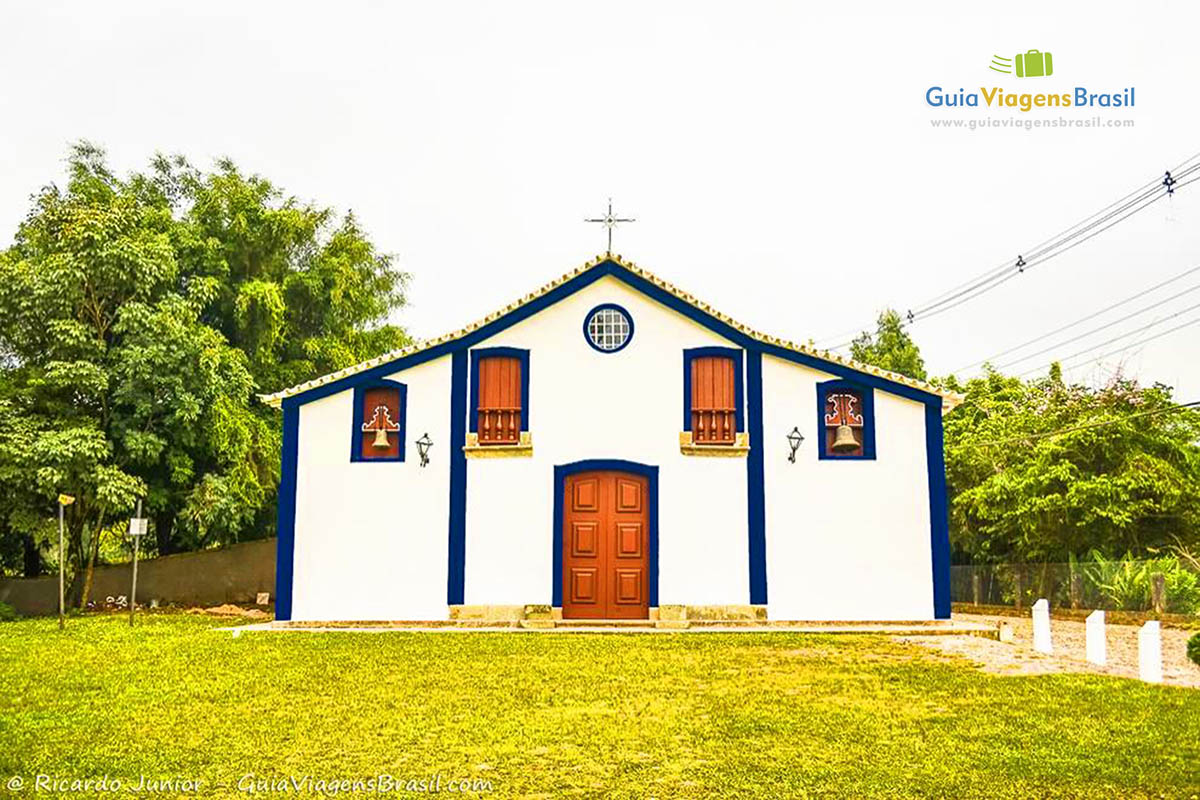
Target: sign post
x=137, y=529
x=64, y=500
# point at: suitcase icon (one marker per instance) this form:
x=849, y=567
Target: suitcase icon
x=1034, y=64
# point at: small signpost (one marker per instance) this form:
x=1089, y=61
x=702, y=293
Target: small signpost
x=137, y=529
x=1041, y=627
x=64, y=500
x=1097, y=646
x=1150, y=652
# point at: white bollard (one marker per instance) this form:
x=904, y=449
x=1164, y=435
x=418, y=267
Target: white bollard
x=1097, y=647
x=1041, y=627
x=1150, y=652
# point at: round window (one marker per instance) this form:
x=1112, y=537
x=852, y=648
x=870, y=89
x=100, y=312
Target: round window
x=608, y=328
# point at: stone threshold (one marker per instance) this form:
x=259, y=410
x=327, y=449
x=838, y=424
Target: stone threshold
x=910, y=628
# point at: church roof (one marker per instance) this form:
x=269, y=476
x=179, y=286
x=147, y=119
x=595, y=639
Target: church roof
x=949, y=399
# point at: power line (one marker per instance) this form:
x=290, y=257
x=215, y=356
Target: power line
x=1021, y=265
x=1118, y=338
x=1087, y=426
x=1138, y=343
x=1142, y=197
x=1106, y=325
x=1081, y=320
x=1040, y=247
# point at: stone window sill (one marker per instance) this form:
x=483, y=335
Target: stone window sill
x=739, y=449
x=523, y=449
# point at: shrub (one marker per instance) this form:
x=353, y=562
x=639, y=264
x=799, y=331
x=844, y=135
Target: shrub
x=7, y=613
x=1193, y=648
x=1125, y=582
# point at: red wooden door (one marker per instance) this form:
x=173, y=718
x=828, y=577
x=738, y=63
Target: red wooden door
x=606, y=546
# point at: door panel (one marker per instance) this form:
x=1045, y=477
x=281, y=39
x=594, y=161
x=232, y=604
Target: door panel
x=606, y=546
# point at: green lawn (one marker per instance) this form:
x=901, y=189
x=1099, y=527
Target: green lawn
x=683, y=715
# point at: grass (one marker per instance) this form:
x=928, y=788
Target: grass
x=686, y=715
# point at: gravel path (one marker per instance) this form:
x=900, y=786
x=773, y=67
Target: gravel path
x=1019, y=657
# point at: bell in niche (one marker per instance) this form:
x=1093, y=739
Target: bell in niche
x=845, y=418
x=844, y=441
x=381, y=423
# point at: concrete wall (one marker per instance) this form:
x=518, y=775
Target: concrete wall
x=846, y=540
x=371, y=536
x=210, y=577
x=626, y=405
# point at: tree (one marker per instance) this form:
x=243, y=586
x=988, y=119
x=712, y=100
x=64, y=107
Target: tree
x=1042, y=470
x=890, y=347
x=138, y=318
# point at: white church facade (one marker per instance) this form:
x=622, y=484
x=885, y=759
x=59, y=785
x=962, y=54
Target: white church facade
x=610, y=447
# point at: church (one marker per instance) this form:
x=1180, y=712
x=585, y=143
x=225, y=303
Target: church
x=609, y=447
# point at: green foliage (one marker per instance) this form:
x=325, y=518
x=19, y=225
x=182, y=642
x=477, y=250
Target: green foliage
x=138, y=318
x=1126, y=582
x=733, y=715
x=1120, y=473
x=889, y=347
x=7, y=613
x=1193, y=648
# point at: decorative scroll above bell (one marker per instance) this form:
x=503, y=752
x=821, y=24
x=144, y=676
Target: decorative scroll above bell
x=381, y=424
x=845, y=416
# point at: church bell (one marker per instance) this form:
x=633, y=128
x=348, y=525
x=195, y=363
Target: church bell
x=844, y=441
x=381, y=440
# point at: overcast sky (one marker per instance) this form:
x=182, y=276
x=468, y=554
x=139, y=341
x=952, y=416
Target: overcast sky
x=779, y=157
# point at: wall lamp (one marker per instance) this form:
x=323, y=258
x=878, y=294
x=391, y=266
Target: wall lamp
x=423, y=445
x=795, y=439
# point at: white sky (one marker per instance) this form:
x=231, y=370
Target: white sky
x=779, y=157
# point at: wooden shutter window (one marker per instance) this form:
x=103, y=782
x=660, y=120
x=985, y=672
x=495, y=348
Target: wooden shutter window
x=714, y=409
x=500, y=400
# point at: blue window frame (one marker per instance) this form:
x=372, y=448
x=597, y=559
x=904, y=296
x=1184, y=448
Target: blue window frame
x=356, y=431
x=510, y=352
x=739, y=393
x=866, y=408
x=608, y=328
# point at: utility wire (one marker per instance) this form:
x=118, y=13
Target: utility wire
x=1106, y=325
x=1003, y=272
x=1045, y=254
x=1086, y=426
x=1138, y=343
x=1119, y=337
x=931, y=311
x=1081, y=320
x=1037, y=248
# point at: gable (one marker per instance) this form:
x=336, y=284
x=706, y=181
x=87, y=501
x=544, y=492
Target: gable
x=636, y=280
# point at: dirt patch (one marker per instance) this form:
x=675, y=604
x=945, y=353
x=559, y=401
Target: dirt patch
x=230, y=610
x=1069, y=637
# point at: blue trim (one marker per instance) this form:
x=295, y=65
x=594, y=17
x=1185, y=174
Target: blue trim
x=561, y=472
x=508, y=352
x=285, y=524
x=457, y=537
x=356, y=427
x=868, y=414
x=584, y=279
x=939, y=523
x=739, y=399
x=588, y=338
x=755, y=493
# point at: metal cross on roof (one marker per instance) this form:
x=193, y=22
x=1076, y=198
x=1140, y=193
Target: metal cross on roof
x=610, y=222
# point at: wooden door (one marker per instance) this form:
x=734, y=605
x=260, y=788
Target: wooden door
x=606, y=546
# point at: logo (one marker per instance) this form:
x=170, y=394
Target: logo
x=1049, y=97
x=1030, y=64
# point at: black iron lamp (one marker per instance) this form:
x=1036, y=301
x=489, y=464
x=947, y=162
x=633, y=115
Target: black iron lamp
x=423, y=445
x=795, y=439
